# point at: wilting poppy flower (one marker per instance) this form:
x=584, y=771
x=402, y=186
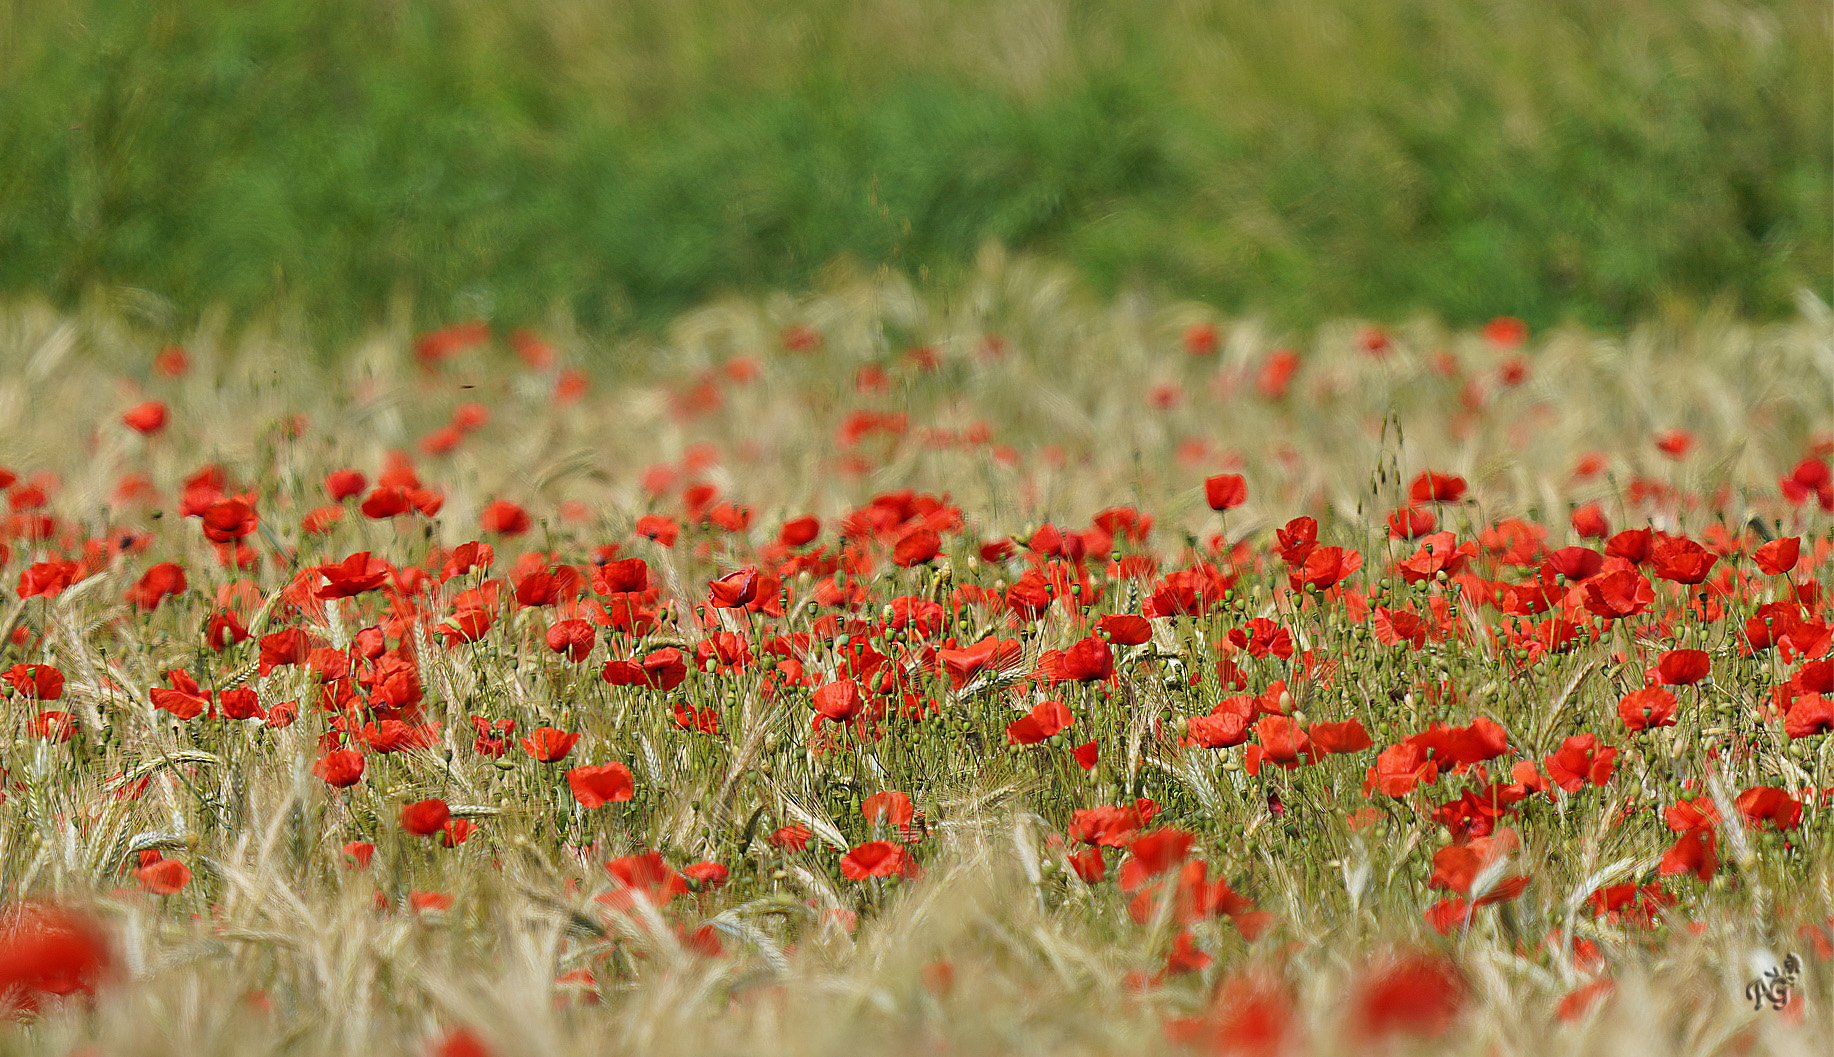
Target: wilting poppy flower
x=1683, y=667
x=879, y=858
x=146, y=419
x=1647, y=708
x=597, y=786
x=165, y=877
x=734, y=590
x=1225, y=491
x=340, y=768
x=549, y=744
x=424, y=818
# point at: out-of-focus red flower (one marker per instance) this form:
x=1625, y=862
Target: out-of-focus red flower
x=504, y=518
x=49, y=951
x=165, y=877
x=879, y=858
x=228, y=520
x=1505, y=332
x=1674, y=443
x=423, y=818
x=1431, y=487
x=340, y=768
x=1225, y=491
x=1417, y=994
x=146, y=419
x=1202, y=339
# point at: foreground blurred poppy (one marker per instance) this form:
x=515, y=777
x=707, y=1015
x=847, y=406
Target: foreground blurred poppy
x=425, y=817
x=47, y=950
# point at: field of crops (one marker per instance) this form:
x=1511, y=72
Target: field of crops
x=1019, y=672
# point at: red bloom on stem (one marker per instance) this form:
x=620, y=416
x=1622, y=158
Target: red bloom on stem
x=597, y=786
x=1683, y=667
x=47, y=950
x=1432, y=487
x=1646, y=709
x=549, y=744
x=840, y=700
x=504, y=518
x=1088, y=660
x=1811, y=714
x=341, y=768
x=424, y=818
x=879, y=858
x=1618, y=594
x=1767, y=803
x=41, y=682
x=889, y=807
x=1417, y=994
x=916, y=547
x=228, y=520
x=47, y=578
x=571, y=638
x=146, y=419
x=1046, y=718
x=1225, y=491
x=165, y=877
x=1778, y=556
x=1680, y=559
x=1578, y=761
x=183, y=699
x=734, y=590
x=1694, y=852
x=1348, y=736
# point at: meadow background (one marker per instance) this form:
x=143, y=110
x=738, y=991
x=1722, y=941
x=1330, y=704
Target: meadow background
x=1600, y=161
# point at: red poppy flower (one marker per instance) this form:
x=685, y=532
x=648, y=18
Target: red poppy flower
x=1647, y=709
x=48, y=578
x=790, y=838
x=645, y=873
x=159, y=581
x=47, y=950
x=340, y=769
x=1088, y=660
x=241, y=703
x=1683, y=667
x=146, y=419
x=571, y=638
x=1225, y=491
x=1619, y=594
x=799, y=531
x=504, y=518
x=183, y=699
x=41, y=682
x=1810, y=715
x=549, y=744
x=664, y=669
x=1432, y=487
x=889, y=807
x=1324, y=568
x=165, y=877
x=1769, y=804
x=52, y=726
x=228, y=520
x=1417, y=994
x=1674, y=443
x=595, y=787
x=1589, y=521
x=1201, y=339
x=1579, y=760
x=1046, y=718
x=1694, y=852
x=840, y=700
x=1124, y=629
x=916, y=547
x=1680, y=559
x=879, y=858
x=342, y=484
x=424, y=818
x=1778, y=556
x=734, y=590
x=1348, y=736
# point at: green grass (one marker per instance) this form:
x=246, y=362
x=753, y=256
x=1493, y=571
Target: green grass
x=617, y=163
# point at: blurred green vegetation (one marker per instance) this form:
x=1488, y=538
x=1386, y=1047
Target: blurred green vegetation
x=1597, y=160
